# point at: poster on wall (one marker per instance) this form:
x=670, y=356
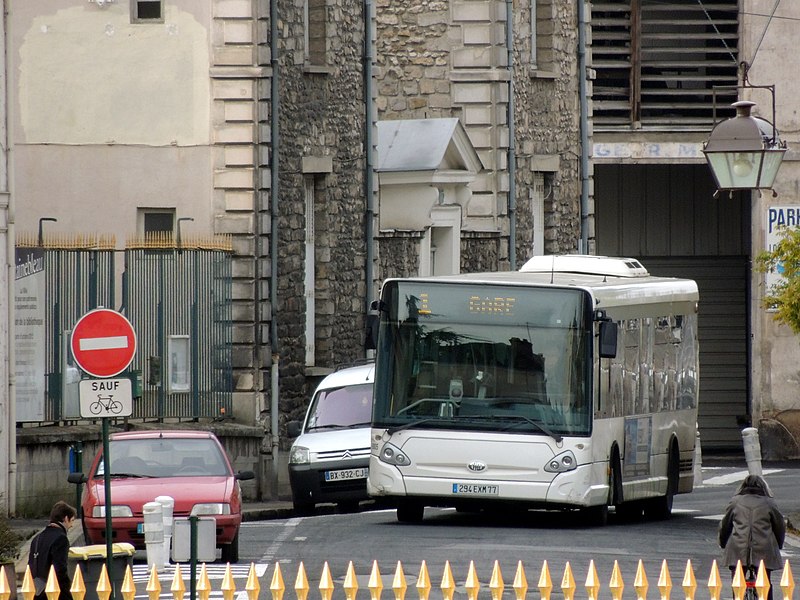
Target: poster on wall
x=777, y=218
x=29, y=333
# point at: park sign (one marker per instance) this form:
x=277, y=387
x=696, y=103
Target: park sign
x=103, y=342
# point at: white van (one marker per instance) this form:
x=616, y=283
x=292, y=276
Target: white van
x=329, y=461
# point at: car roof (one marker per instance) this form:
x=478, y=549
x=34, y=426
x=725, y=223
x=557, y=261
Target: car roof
x=160, y=433
x=349, y=376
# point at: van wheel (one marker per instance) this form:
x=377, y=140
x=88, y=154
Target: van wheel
x=409, y=511
x=303, y=509
x=349, y=506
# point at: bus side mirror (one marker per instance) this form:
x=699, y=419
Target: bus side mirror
x=371, y=332
x=608, y=339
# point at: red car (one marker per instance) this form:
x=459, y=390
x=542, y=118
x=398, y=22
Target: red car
x=189, y=466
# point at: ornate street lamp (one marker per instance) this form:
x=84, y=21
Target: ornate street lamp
x=744, y=152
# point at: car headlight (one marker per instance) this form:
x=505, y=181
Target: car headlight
x=392, y=455
x=117, y=510
x=562, y=463
x=299, y=456
x=211, y=508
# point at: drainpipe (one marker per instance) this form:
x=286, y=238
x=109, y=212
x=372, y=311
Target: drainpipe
x=512, y=149
x=273, y=251
x=369, y=168
x=583, y=247
x=11, y=355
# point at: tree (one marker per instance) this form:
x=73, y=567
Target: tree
x=784, y=296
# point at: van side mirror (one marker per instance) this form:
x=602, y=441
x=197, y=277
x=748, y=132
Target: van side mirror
x=608, y=339
x=293, y=428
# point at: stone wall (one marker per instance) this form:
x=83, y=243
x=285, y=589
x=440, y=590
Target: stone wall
x=450, y=59
x=322, y=121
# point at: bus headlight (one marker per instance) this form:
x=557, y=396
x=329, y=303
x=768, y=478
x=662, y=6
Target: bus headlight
x=392, y=455
x=562, y=463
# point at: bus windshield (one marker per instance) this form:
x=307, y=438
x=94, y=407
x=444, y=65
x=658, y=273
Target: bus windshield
x=484, y=357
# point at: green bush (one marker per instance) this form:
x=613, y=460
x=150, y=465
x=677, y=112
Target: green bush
x=784, y=297
x=9, y=542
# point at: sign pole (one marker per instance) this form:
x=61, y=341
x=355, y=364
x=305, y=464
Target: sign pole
x=107, y=484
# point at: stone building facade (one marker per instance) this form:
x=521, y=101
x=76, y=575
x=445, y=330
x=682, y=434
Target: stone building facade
x=451, y=59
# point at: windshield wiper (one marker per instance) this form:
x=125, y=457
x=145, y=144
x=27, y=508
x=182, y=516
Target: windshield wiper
x=393, y=430
x=523, y=419
x=338, y=426
x=131, y=475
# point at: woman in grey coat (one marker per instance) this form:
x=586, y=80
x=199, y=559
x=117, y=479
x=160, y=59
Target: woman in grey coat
x=753, y=529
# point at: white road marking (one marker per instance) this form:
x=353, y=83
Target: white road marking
x=735, y=477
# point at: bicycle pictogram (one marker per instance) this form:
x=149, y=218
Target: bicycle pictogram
x=107, y=404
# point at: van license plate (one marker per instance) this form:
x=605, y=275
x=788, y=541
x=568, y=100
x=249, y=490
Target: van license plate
x=475, y=489
x=345, y=474
x=140, y=528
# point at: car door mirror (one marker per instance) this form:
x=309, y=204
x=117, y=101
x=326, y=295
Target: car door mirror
x=76, y=478
x=245, y=475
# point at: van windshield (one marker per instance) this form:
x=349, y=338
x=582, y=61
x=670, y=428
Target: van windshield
x=346, y=406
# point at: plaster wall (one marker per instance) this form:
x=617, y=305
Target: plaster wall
x=775, y=349
x=108, y=115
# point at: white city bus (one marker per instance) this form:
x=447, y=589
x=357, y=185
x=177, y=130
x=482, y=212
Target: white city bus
x=571, y=384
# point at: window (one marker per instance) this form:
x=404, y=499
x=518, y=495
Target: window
x=657, y=63
x=147, y=11
x=310, y=267
x=542, y=35
x=156, y=221
x=179, y=367
x=315, y=36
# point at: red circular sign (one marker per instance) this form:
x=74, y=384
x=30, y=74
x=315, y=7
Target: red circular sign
x=103, y=342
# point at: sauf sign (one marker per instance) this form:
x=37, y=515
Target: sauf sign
x=103, y=343
x=778, y=218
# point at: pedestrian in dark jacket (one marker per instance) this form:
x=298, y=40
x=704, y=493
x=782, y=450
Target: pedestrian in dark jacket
x=753, y=529
x=51, y=547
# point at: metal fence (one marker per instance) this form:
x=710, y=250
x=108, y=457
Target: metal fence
x=201, y=587
x=179, y=302
x=177, y=298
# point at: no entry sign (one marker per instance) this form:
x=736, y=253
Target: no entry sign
x=103, y=342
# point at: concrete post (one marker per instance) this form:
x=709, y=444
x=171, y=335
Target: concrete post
x=154, y=535
x=698, y=461
x=167, y=509
x=752, y=450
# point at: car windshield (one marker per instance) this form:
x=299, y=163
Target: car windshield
x=341, y=407
x=165, y=457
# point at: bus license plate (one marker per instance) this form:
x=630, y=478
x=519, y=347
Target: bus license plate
x=476, y=489
x=345, y=474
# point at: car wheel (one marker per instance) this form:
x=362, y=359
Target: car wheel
x=410, y=512
x=230, y=552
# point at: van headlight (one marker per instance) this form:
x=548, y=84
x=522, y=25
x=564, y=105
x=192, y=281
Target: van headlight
x=392, y=455
x=299, y=456
x=562, y=463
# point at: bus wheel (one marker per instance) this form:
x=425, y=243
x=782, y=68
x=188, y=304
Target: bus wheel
x=660, y=508
x=409, y=511
x=595, y=516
